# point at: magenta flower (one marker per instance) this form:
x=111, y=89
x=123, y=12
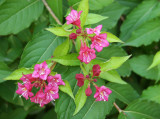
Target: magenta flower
x=96, y=70
x=86, y=54
x=96, y=30
x=56, y=79
x=73, y=36
x=80, y=78
x=102, y=93
x=51, y=92
x=99, y=41
x=27, y=78
x=88, y=91
x=25, y=90
x=41, y=71
x=74, y=18
x=39, y=98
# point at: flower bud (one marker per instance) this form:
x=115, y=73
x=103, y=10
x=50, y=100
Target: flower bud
x=96, y=70
x=88, y=91
x=73, y=36
x=95, y=80
x=78, y=31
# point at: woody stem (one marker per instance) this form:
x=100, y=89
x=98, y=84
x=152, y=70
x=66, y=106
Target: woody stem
x=53, y=65
x=117, y=107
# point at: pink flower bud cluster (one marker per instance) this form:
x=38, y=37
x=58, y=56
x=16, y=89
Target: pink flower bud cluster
x=47, y=86
x=98, y=39
x=102, y=93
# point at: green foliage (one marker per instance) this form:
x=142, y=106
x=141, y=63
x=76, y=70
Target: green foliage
x=59, y=31
x=112, y=38
x=156, y=60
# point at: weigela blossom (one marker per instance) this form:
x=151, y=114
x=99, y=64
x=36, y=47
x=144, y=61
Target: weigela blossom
x=96, y=70
x=80, y=78
x=48, y=85
x=102, y=93
x=86, y=54
x=41, y=71
x=74, y=18
x=73, y=36
x=88, y=91
x=99, y=41
x=96, y=30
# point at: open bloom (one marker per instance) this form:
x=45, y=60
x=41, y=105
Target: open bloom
x=99, y=41
x=86, y=54
x=96, y=70
x=41, y=71
x=96, y=30
x=80, y=78
x=102, y=93
x=27, y=78
x=25, y=90
x=56, y=79
x=74, y=18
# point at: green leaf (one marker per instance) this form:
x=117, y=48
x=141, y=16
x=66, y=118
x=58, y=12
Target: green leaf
x=145, y=34
x=68, y=60
x=113, y=12
x=112, y=76
x=80, y=98
x=51, y=114
x=94, y=18
x=156, y=60
x=17, y=74
x=40, y=48
x=16, y=15
x=2, y=1
x=145, y=11
x=62, y=49
x=84, y=6
x=78, y=43
x=140, y=64
x=66, y=89
x=59, y=31
x=115, y=51
x=99, y=4
x=4, y=71
x=113, y=63
x=112, y=38
x=123, y=92
x=141, y=109
x=152, y=93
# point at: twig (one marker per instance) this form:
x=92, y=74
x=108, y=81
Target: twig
x=119, y=109
x=53, y=65
x=122, y=18
x=51, y=12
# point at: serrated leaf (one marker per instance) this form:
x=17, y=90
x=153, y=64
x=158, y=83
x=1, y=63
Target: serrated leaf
x=112, y=76
x=123, y=92
x=84, y=6
x=112, y=38
x=68, y=60
x=113, y=63
x=59, y=31
x=140, y=64
x=94, y=18
x=145, y=11
x=141, y=109
x=99, y=4
x=145, y=34
x=152, y=93
x=17, y=74
x=66, y=89
x=40, y=48
x=62, y=49
x=156, y=60
x=80, y=98
x=15, y=15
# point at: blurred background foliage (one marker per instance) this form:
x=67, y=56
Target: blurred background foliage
x=24, y=42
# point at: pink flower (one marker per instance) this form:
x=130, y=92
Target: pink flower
x=41, y=71
x=86, y=54
x=74, y=18
x=80, y=79
x=73, y=36
x=40, y=98
x=96, y=30
x=56, y=79
x=27, y=78
x=102, y=93
x=99, y=41
x=78, y=31
x=25, y=90
x=96, y=70
x=88, y=91
x=51, y=92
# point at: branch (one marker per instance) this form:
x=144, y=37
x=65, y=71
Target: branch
x=119, y=109
x=51, y=12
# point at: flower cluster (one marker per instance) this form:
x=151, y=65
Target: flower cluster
x=102, y=93
x=98, y=39
x=47, y=85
